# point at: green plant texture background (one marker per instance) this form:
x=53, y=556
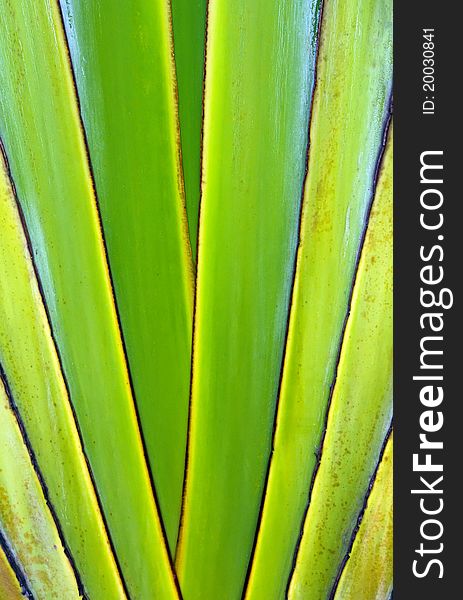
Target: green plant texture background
x=196, y=300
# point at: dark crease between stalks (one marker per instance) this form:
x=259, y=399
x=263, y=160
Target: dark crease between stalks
x=379, y=160
x=191, y=262
x=15, y=567
x=10, y=397
x=119, y=323
x=288, y=317
x=360, y=516
x=187, y=453
x=178, y=145
x=28, y=445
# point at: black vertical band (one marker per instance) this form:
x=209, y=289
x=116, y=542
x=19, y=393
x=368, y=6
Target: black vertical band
x=428, y=259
